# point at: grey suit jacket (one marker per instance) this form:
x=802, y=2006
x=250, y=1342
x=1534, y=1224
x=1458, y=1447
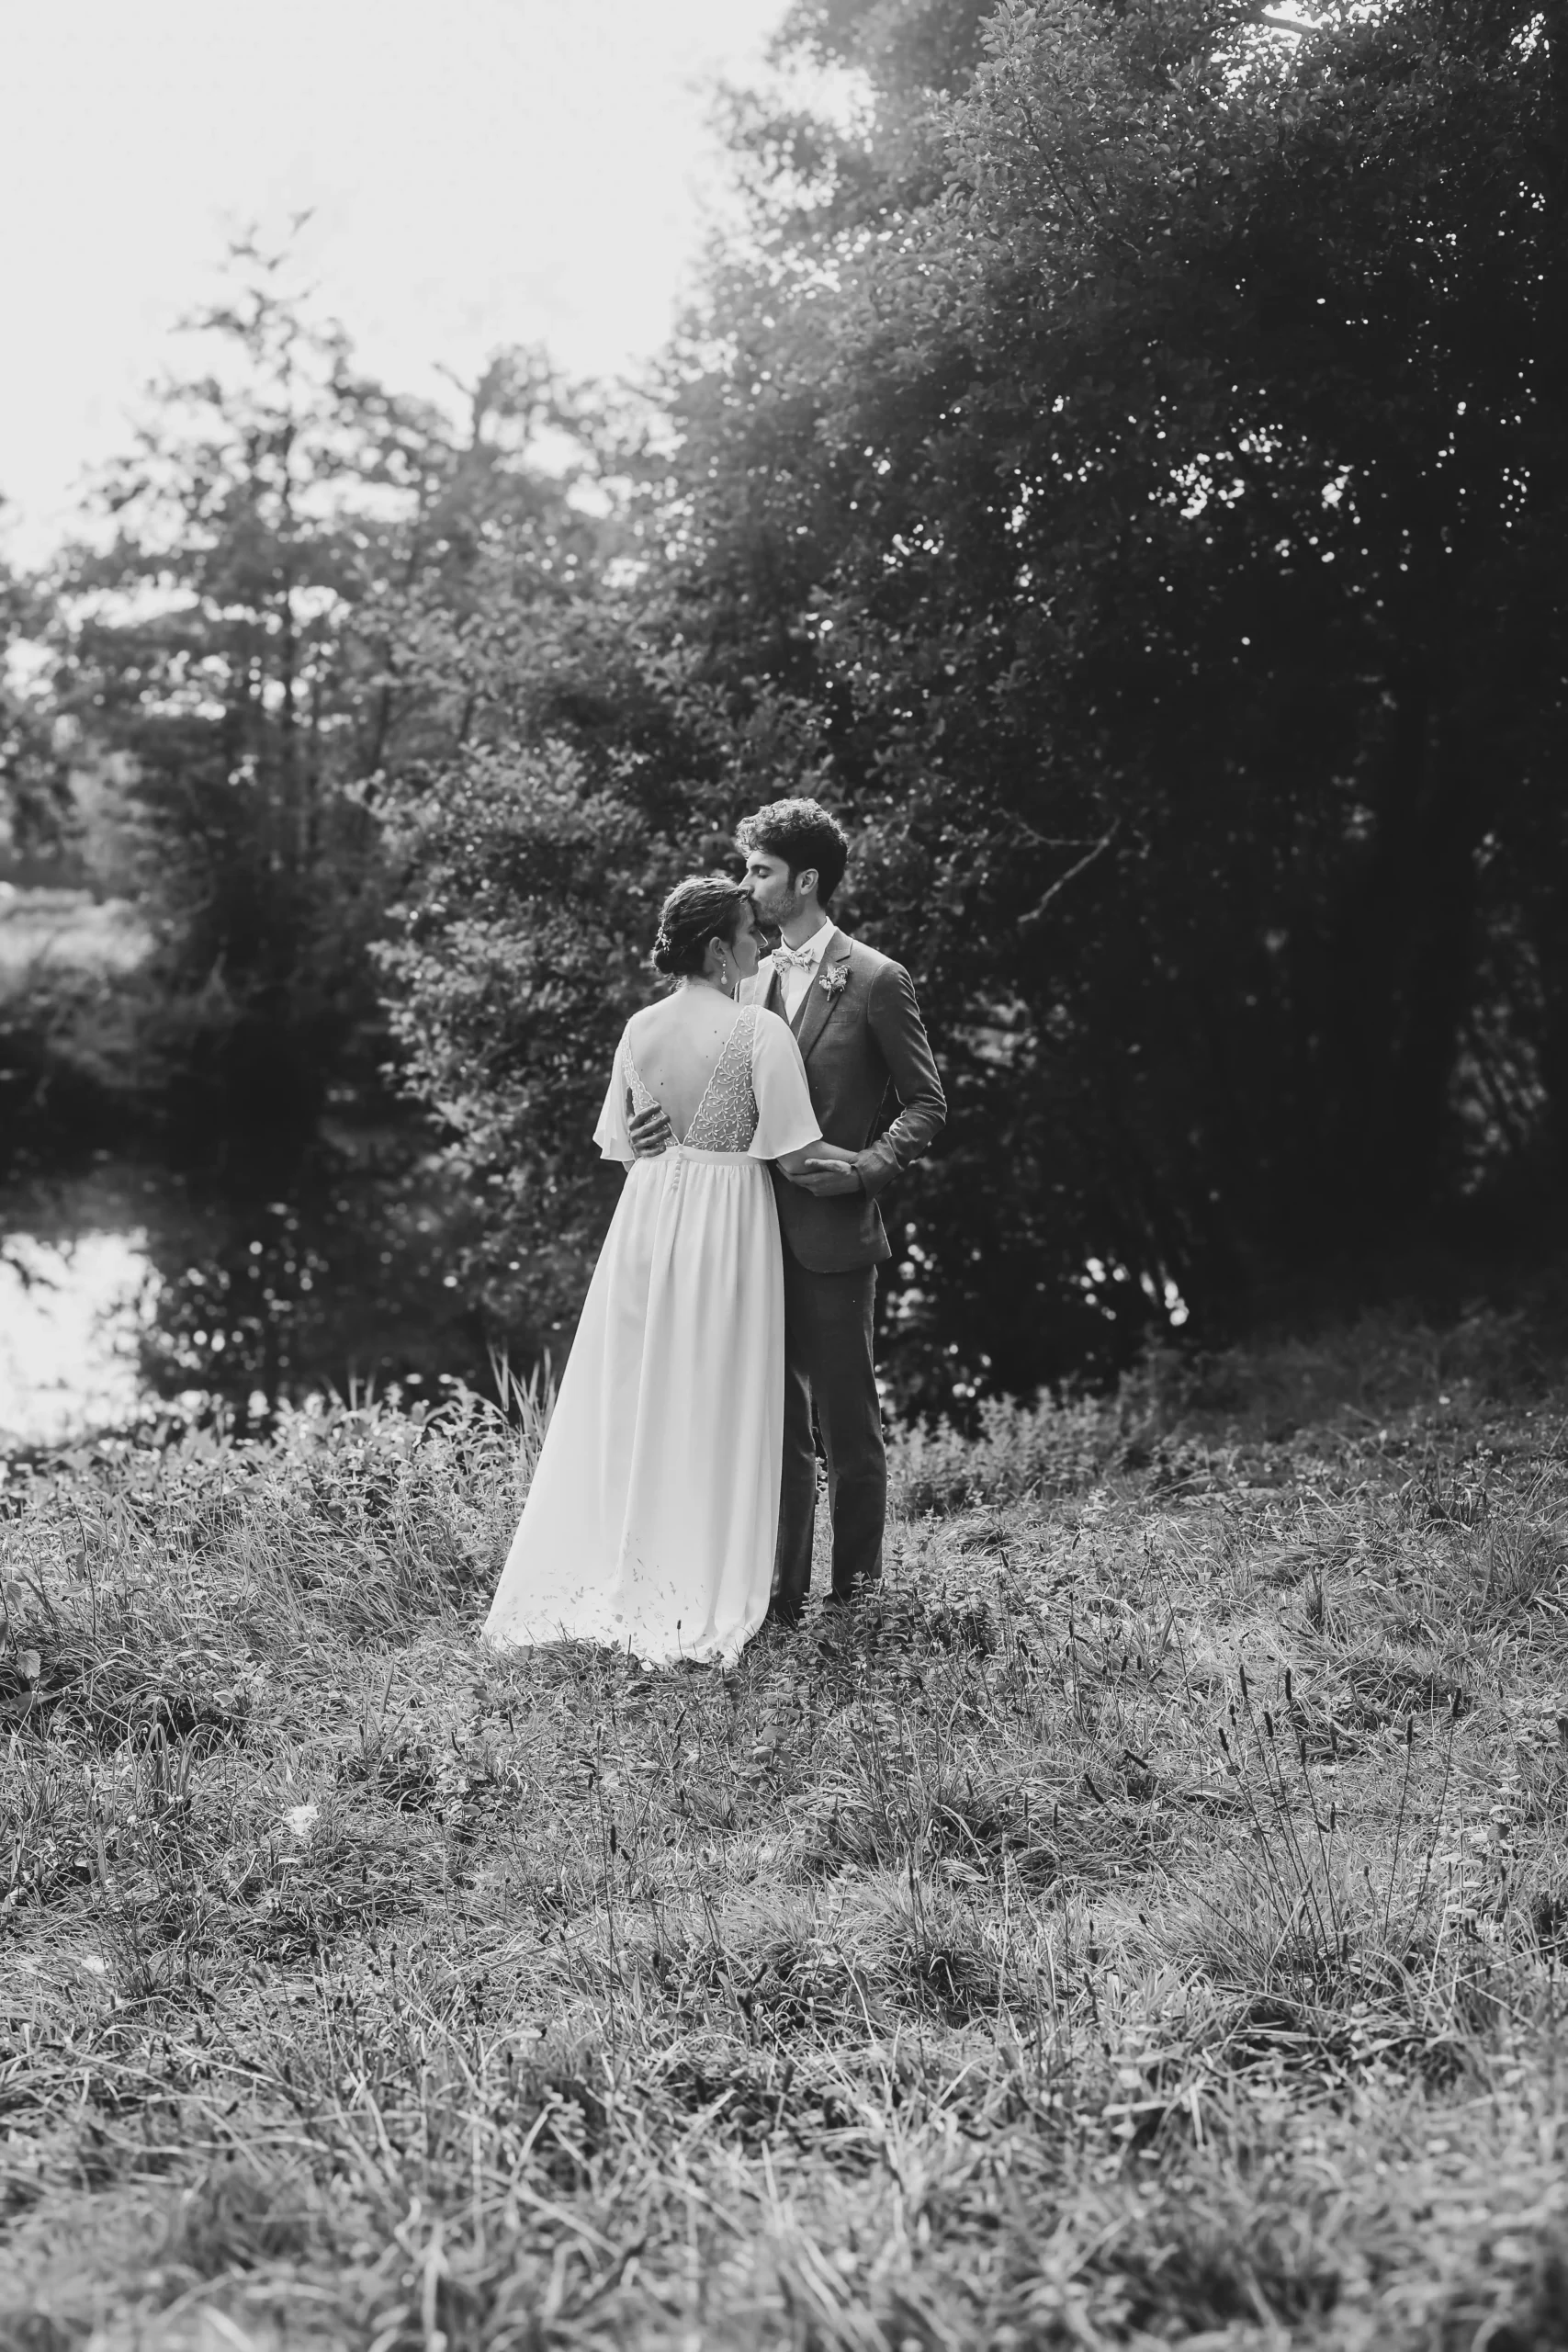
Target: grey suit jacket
x=856, y=1041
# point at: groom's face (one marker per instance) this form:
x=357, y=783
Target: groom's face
x=771, y=887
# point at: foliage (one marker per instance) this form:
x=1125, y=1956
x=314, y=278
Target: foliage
x=590, y=776
x=255, y=643
x=69, y=1060
x=1161, y=510
x=34, y=801
x=1140, y=1921
x=512, y=977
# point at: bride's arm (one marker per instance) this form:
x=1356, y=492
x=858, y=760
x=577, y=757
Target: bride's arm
x=785, y=1110
x=819, y=1154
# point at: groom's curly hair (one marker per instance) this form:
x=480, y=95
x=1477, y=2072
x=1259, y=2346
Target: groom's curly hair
x=803, y=833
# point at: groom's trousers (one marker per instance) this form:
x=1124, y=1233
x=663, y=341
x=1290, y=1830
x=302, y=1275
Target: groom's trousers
x=830, y=1376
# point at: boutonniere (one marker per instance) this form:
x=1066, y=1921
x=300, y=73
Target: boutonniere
x=835, y=981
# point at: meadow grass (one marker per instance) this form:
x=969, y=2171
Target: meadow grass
x=1139, y=1923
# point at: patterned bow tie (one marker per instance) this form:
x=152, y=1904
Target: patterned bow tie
x=796, y=960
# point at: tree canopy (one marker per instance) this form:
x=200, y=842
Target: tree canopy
x=1161, y=510
x=265, y=633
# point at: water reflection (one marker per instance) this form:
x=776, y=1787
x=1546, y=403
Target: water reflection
x=72, y=1317
x=127, y=1284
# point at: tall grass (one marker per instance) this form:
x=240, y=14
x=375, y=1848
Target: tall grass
x=1140, y=1922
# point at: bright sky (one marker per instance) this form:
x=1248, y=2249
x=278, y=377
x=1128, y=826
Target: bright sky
x=481, y=171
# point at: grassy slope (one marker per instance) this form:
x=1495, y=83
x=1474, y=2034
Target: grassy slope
x=989, y=1968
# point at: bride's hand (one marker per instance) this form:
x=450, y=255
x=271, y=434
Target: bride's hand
x=824, y=1169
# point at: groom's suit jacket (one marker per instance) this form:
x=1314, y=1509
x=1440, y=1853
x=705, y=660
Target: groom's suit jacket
x=856, y=1040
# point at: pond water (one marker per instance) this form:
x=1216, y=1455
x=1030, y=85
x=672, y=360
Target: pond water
x=70, y=1321
x=247, y=1271
x=126, y=1285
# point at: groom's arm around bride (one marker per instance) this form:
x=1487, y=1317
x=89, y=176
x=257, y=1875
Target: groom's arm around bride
x=884, y=1010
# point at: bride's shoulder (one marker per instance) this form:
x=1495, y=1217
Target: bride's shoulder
x=771, y=1032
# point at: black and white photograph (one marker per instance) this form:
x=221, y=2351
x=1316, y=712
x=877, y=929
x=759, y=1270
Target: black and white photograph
x=783, y=1176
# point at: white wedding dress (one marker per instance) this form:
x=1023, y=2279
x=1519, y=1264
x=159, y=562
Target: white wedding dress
x=653, y=1513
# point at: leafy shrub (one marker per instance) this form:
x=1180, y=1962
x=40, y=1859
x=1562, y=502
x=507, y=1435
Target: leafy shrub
x=1046, y=1447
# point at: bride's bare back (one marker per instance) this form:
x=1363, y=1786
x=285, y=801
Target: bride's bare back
x=676, y=1046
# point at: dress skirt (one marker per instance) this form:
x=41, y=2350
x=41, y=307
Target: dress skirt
x=652, y=1517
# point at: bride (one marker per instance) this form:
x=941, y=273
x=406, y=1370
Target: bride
x=651, y=1519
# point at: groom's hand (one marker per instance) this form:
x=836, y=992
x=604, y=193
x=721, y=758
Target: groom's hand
x=824, y=1178
x=651, y=1132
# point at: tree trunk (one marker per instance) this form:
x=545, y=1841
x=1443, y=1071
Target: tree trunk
x=1404, y=975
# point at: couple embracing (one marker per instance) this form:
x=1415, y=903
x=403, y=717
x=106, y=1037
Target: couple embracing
x=673, y=1507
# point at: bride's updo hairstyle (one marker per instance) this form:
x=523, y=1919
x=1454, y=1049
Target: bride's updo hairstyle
x=704, y=907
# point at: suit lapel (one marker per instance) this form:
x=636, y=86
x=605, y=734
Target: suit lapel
x=819, y=1001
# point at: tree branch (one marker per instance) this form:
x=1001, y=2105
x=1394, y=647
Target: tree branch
x=1036, y=914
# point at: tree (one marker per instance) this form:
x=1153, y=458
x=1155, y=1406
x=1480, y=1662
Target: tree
x=35, y=807
x=290, y=544
x=590, y=773
x=1163, y=510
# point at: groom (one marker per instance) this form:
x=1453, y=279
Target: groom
x=859, y=1029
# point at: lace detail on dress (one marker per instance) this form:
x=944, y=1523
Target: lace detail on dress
x=725, y=1118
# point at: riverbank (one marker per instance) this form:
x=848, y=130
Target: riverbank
x=77, y=932
x=1139, y=1923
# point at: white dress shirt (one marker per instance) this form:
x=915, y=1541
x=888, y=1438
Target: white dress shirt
x=796, y=977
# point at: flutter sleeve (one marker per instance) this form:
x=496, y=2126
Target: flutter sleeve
x=786, y=1120
x=612, y=1134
